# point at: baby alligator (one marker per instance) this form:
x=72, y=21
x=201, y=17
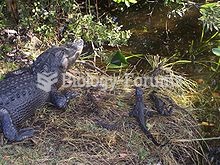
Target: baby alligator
x=163, y=104
x=139, y=112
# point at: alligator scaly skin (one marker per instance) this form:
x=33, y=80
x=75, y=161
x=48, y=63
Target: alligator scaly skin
x=20, y=95
x=140, y=112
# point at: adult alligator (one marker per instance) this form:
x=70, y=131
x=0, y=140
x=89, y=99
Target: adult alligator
x=23, y=91
x=140, y=112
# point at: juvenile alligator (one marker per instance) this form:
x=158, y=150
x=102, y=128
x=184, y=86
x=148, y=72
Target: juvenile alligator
x=164, y=105
x=21, y=95
x=140, y=112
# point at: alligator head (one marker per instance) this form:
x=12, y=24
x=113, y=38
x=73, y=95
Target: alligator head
x=58, y=59
x=72, y=52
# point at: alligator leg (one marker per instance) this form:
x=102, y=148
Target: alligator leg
x=9, y=129
x=60, y=100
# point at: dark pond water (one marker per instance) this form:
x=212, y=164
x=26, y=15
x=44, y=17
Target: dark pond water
x=155, y=34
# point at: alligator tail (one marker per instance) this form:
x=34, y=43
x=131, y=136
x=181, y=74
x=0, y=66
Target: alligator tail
x=151, y=137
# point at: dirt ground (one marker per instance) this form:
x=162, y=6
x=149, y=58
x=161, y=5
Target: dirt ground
x=96, y=129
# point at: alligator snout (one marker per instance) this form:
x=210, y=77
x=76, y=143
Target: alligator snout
x=75, y=49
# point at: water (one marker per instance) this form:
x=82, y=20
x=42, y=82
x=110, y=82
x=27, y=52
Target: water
x=156, y=34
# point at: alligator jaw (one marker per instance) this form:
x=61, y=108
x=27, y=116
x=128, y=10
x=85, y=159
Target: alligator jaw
x=75, y=50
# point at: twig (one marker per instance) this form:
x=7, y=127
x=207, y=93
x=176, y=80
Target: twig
x=94, y=67
x=201, y=139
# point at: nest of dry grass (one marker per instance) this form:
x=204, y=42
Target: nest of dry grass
x=96, y=129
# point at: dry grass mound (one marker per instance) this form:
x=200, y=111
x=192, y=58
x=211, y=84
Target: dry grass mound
x=96, y=129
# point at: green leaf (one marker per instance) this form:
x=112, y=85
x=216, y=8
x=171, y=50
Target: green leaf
x=132, y=1
x=117, y=1
x=208, y=5
x=118, y=59
x=127, y=3
x=216, y=51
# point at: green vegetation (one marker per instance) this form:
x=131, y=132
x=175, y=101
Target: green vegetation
x=97, y=32
x=127, y=2
x=210, y=16
x=51, y=20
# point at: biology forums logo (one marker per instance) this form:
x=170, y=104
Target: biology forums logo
x=45, y=80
